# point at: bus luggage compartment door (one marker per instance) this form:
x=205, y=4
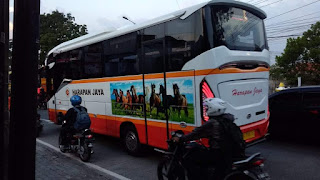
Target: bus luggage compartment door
x=247, y=99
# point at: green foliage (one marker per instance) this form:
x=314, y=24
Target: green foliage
x=301, y=58
x=275, y=72
x=56, y=28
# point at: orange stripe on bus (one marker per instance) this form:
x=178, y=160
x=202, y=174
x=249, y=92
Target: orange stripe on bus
x=153, y=76
x=172, y=74
x=229, y=71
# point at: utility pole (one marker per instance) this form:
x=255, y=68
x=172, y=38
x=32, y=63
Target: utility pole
x=23, y=111
x=4, y=47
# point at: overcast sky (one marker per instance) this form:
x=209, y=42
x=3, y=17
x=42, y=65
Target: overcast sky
x=100, y=15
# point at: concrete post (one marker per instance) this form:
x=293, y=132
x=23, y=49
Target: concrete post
x=23, y=112
x=4, y=47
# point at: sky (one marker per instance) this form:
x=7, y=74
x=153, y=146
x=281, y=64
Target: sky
x=102, y=15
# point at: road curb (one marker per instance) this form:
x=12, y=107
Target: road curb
x=90, y=165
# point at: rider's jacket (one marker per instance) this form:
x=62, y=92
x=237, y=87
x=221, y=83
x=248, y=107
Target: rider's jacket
x=211, y=130
x=71, y=116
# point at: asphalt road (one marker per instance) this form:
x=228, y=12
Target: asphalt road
x=287, y=161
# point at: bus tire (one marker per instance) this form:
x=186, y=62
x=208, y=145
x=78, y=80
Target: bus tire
x=131, y=141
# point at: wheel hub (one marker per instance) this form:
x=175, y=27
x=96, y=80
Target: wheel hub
x=131, y=141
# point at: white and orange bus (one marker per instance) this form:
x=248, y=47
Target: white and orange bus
x=144, y=81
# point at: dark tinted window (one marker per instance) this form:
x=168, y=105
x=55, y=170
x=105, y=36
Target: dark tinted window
x=76, y=64
x=129, y=65
x=153, y=57
x=93, y=61
x=154, y=32
x=111, y=67
x=120, y=55
x=286, y=101
x=311, y=100
x=184, y=41
x=62, y=66
x=121, y=45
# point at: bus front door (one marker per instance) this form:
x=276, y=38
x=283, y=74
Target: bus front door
x=181, y=92
x=154, y=81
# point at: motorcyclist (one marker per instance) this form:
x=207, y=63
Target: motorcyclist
x=70, y=118
x=41, y=96
x=219, y=154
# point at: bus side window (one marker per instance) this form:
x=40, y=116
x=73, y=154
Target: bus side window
x=129, y=65
x=183, y=40
x=120, y=55
x=93, y=61
x=61, y=70
x=75, y=58
x=111, y=67
x=153, y=32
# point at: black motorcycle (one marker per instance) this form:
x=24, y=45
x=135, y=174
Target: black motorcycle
x=172, y=166
x=81, y=143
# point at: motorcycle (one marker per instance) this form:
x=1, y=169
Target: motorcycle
x=81, y=143
x=42, y=105
x=172, y=166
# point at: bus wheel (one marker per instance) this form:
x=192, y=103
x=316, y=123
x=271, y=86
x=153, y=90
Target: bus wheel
x=131, y=141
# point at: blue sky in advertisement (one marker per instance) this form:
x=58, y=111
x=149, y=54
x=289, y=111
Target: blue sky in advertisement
x=185, y=86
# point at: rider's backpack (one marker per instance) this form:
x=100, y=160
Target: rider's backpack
x=83, y=120
x=234, y=134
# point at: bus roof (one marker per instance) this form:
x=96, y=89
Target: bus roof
x=183, y=14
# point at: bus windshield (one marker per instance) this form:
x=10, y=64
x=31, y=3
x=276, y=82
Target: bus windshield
x=237, y=29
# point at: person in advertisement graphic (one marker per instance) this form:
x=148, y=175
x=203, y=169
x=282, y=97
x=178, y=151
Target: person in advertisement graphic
x=74, y=121
x=220, y=152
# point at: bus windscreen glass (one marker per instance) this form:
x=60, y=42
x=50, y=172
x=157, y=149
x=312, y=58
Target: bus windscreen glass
x=237, y=29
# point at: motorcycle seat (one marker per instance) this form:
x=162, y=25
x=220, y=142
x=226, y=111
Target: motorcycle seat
x=246, y=160
x=82, y=133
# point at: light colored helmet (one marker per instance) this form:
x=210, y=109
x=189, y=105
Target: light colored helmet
x=215, y=106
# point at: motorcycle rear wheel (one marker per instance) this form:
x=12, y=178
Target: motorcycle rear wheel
x=175, y=173
x=85, y=153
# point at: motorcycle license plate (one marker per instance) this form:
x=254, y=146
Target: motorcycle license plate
x=264, y=176
x=248, y=135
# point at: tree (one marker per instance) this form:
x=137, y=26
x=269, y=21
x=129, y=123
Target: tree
x=56, y=28
x=301, y=58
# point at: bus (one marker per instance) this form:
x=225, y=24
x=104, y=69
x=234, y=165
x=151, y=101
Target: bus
x=142, y=82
